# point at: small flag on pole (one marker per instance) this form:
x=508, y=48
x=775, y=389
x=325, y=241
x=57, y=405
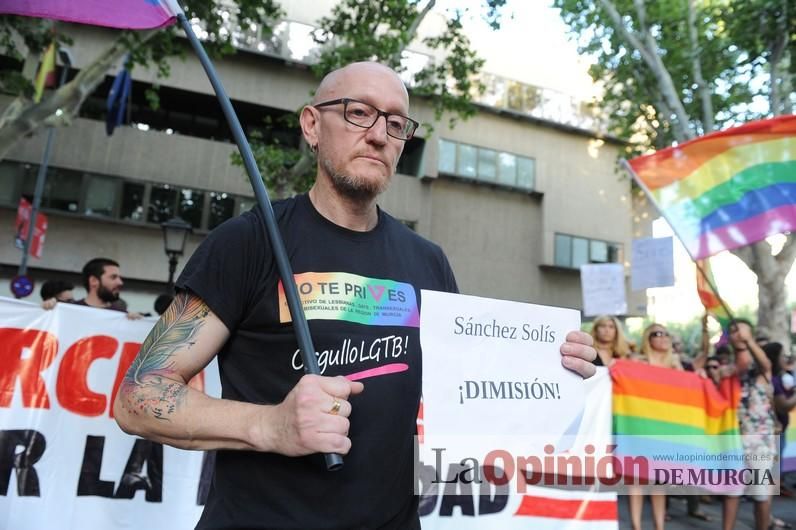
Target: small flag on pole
x=708, y=295
x=45, y=78
x=117, y=99
x=124, y=14
x=23, y=227
x=727, y=189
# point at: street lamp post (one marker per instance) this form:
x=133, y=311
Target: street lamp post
x=175, y=233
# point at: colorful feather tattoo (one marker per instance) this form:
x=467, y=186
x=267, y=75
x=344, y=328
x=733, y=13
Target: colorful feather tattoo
x=147, y=386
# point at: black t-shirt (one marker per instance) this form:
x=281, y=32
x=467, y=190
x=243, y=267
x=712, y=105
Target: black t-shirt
x=360, y=291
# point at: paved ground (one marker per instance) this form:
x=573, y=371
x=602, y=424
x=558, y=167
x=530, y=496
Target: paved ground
x=783, y=508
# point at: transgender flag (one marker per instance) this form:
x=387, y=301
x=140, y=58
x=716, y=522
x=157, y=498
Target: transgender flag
x=726, y=189
x=123, y=14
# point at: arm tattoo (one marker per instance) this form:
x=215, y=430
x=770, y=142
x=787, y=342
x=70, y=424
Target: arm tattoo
x=147, y=385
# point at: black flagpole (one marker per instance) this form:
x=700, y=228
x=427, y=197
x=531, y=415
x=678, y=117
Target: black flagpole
x=333, y=461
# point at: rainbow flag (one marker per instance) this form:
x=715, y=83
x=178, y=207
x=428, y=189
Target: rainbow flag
x=124, y=14
x=726, y=189
x=673, y=419
x=789, y=455
x=709, y=296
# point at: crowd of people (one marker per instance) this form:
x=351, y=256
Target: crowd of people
x=764, y=372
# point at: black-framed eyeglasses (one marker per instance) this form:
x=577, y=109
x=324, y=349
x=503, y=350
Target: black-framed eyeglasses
x=659, y=334
x=366, y=115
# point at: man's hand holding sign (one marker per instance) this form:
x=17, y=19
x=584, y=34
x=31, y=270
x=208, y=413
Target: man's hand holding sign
x=499, y=375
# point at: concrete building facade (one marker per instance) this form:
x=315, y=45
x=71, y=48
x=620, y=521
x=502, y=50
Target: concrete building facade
x=516, y=201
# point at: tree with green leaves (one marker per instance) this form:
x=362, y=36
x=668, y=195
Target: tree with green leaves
x=380, y=30
x=22, y=39
x=676, y=69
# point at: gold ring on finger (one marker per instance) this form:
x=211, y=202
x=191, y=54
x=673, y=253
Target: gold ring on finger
x=335, y=407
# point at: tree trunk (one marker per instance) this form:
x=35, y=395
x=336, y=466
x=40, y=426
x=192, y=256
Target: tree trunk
x=645, y=45
x=773, y=316
x=696, y=64
x=23, y=117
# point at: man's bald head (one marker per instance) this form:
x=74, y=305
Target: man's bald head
x=339, y=83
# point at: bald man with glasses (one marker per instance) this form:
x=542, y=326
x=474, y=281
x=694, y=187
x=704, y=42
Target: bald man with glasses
x=359, y=272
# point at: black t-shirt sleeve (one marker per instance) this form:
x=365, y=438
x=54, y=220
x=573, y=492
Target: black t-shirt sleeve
x=450, y=279
x=224, y=269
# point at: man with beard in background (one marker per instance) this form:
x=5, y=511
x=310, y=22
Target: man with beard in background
x=103, y=282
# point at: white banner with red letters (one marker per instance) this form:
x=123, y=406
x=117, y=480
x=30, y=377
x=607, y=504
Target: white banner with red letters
x=65, y=464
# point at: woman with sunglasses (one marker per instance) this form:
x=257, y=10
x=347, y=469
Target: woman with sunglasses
x=609, y=340
x=656, y=349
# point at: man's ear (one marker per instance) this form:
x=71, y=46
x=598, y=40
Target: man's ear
x=309, y=125
x=93, y=283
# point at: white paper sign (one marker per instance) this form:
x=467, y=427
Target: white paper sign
x=652, y=263
x=492, y=369
x=603, y=287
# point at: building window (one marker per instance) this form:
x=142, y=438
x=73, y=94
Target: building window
x=100, y=196
x=62, y=189
x=507, y=169
x=162, y=200
x=189, y=208
x=245, y=204
x=11, y=175
x=486, y=165
x=572, y=251
x=111, y=197
x=467, y=161
x=132, y=202
x=222, y=207
x=411, y=161
x=447, y=157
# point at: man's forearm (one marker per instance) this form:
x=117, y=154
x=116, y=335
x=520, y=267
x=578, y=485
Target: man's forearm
x=171, y=412
x=154, y=400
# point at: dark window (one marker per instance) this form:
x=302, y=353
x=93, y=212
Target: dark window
x=10, y=176
x=222, y=207
x=411, y=160
x=101, y=196
x=190, y=206
x=572, y=251
x=62, y=188
x=132, y=202
x=162, y=199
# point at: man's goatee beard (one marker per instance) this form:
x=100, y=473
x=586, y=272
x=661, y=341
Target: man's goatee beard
x=353, y=187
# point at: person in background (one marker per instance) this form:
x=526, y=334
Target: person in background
x=656, y=349
x=103, y=282
x=755, y=418
x=784, y=397
x=609, y=340
x=57, y=290
x=713, y=369
x=724, y=354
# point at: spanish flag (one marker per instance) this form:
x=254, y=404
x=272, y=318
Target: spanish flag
x=45, y=78
x=726, y=189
